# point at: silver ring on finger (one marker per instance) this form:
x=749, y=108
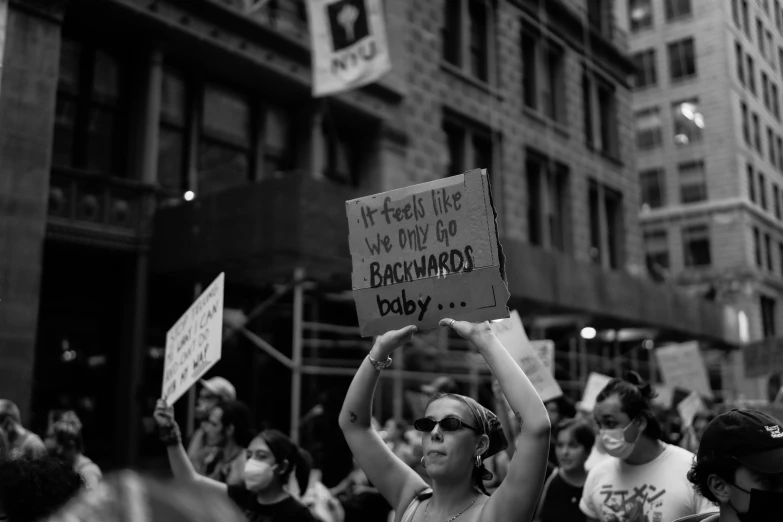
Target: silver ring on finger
x=451, y=324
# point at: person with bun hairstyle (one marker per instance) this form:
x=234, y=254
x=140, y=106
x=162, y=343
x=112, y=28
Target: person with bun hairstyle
x=271, y=458
x=647, y=478
x=457, y=434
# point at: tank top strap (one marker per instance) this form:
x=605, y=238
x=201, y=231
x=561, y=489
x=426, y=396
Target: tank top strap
x=407, y=516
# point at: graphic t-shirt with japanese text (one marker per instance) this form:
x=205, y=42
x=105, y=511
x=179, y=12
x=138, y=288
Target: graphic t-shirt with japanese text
x=658, y=491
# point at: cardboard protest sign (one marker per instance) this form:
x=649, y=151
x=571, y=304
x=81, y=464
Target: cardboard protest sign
x=595, y=383
x=664, y=396
x=427, y=252
x=193, y=344
x=512, y=335
x=349, y=46
x=682, y=366
x=545, y=349
x=689, y=407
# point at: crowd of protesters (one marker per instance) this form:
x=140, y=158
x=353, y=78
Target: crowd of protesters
x=623, y=460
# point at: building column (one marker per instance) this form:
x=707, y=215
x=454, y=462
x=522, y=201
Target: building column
x=129, y=377
x=28, y=94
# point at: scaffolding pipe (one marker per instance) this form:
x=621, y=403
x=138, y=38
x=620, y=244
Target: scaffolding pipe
x=296, y=354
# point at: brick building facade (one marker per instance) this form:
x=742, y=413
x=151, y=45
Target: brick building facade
x=150, y=145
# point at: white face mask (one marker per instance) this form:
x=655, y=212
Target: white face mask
x=258, y=475
x=615, y=444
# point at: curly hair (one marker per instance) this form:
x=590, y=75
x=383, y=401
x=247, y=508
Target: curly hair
x=711, y=464
x=636, y=397
x=34, y=489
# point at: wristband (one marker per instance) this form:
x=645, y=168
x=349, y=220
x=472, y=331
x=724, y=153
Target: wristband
x=170, y=436
x=380, y=365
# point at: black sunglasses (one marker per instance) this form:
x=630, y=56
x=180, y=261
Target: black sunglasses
x=447, y=424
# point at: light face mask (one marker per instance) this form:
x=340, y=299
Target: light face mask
x=615, y=444
x=258, y=475
x=762, y=504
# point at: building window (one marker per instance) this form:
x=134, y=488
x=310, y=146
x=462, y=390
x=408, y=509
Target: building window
x=776, y=197
x=649, y=130
x=693, y=182
x=677, y=9
x=760, y=38
x=765, y=90
x=598, y=16
x=92, y=109
x=762, y=191
x=780, y=256
x=544, y=74
x=682, y=59
x=745, y=123
x=776, y=7
x=343, y=155
x=653, y=188
x=547, y=189
x=775, y=101
x=656, y=252
x=688, y=122
x=587, y=108
x=696, y=245
x=751, y=183
x=780, y=153
x=746, y=17
x=467, y=35
x=735, y=13
x=771, y=146
x=768, y=248
x=751, y=70
x=173, y=135
x=606, y=230
x=757, y=133
x=767, y=316
x=469, y=145
x=640, y=14
x=769, y=49
x=739, y=58
x=645, y=69
x=757, y=246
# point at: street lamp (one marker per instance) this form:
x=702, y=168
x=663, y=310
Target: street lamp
x=588, y=333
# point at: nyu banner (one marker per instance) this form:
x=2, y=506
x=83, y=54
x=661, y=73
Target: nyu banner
x=348, y=44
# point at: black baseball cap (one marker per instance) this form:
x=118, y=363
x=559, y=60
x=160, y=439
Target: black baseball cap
x=752, y=437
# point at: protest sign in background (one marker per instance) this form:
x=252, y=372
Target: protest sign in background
x=193, y=344
x=595, y=383
x=682, y=366
x=545, y=348
x=349, y=46
x=689, y=407
x=427, y=252
x=511, y=333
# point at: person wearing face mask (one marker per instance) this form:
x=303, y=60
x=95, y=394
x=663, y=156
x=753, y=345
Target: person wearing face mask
x=271, y=459
x=739, y=467
x=646, y=480
x=563, y=489
x=64, y=441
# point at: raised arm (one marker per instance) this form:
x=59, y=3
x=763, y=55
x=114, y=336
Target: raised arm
x=396, y=481
x=517, y=496
x=178, y=458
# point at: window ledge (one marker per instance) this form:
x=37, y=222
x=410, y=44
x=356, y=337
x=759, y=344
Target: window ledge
x=611, y=158
x=462, y=75
x=685, y=79
x=559, y=128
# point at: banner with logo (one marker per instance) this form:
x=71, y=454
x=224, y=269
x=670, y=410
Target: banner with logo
x=349, y=46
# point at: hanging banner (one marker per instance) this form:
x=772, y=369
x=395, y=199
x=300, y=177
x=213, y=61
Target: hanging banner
x=193, y=344
x=511, y=334
x=427, y=252
x=348, y=42
x=682, y=366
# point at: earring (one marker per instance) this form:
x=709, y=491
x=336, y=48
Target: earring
x=422, y=463
x=478, y=461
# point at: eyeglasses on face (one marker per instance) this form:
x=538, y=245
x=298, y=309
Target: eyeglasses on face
x=447, y=424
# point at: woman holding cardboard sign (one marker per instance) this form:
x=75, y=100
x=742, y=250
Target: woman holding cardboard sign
x=457, y=435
